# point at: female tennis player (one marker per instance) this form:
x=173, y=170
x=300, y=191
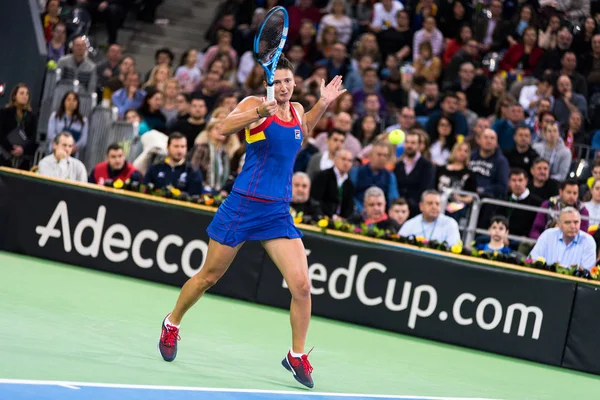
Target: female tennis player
x=258, y=209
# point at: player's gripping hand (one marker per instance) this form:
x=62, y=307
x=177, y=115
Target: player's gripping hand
x=268, y=108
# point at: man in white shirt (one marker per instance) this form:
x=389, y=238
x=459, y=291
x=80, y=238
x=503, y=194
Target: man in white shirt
x=384, y=14
x=531, y=95
x=60, y=164
x=431, y=224
x=324, y=160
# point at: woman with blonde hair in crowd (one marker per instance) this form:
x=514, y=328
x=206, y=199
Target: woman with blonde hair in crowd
x=496, y=90
x=427, y=65
x=169, y=108
x=367, y=44
x=212, y=158
x=424, y=143
x=337, y=17
x=328, y=38
x=158, y=77
x=233, y=144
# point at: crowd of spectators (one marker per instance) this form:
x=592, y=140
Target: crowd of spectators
x=496, y=99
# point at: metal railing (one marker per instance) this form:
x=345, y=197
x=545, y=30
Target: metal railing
x=471, y=229
x=584, y=152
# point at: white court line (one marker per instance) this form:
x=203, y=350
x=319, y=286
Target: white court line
x=70, y=387
x=76, y=385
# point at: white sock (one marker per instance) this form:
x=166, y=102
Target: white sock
x=297, y=355
x=167, y=322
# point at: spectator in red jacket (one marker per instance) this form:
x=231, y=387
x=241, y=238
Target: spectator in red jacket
x=303, y=10
x=454, y=45
x=523, y=57
x=115, y=167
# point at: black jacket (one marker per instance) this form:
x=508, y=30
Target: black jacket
x=324, y=189
x=8, y=122
x=410, y=186
x=521, y=221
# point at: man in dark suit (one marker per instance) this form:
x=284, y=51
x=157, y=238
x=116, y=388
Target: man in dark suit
x=520, y=221
x=414, y=173
x=332, y=188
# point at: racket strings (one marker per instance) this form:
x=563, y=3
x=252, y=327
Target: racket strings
x=270, y=37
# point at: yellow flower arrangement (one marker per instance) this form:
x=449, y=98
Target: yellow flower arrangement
x=541, y=259
x=176, y=192
x=420, y=239
x=323, y=223
x=457, y=248
x=118, y=184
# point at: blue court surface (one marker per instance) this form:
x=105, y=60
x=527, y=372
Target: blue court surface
x=14, y=389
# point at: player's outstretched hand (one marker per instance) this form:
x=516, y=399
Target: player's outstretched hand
x=331, y=92
x=268, y=108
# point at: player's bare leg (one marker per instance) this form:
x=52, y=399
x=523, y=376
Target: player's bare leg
x=290, y=257
x=218, y=259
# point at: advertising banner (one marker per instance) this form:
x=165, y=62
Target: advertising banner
x=476, y=306
x=116, y=233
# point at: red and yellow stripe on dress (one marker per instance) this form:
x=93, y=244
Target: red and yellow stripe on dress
x=257, y=133
x=253, y=137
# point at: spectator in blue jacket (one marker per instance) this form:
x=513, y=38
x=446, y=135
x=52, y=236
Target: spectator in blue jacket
x=374, y=173
x=130, y=96
x=174, y=170
x=489, y=166
x=506, y=128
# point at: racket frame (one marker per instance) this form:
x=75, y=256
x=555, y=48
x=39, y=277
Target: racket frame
x=271, y=66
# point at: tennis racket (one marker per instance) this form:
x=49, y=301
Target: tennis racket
x=268, y=44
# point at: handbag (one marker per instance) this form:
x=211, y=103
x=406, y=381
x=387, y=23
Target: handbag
x=17, y=137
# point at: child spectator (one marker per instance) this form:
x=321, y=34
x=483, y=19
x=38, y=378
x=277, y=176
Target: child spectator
x=498, y=236
x=188, y=74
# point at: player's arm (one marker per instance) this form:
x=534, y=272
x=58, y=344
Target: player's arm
x=248, y=112
x=328, y=95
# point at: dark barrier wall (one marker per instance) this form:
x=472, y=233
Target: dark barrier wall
x=485, y=307
x=583, y=345
x=22, y=48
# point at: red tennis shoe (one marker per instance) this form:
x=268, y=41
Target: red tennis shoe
x=300, y=367
x=168, y=340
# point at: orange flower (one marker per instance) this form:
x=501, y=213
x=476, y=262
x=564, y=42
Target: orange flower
x=595, y=270
x=208, y=200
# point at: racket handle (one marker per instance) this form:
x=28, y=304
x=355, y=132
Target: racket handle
x=270, y=93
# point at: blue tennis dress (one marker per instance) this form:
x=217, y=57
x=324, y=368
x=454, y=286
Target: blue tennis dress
x=258, y=208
